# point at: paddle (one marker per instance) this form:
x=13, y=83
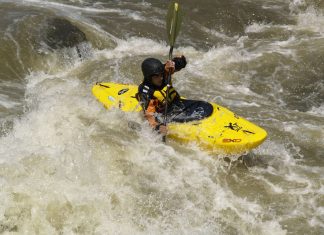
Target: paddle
x=173, y=27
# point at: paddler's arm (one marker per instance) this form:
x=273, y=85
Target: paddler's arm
x=149, y=107
x=176, y=64
x=149, y=115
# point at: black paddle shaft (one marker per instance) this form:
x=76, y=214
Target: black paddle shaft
x=173, y=27
x=167, y=94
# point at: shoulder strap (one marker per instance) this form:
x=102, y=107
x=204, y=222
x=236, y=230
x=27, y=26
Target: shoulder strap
x=144, y=95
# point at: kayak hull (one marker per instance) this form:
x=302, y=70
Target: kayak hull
x=221, y=132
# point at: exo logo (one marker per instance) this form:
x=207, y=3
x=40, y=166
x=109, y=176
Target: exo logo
x=232, y=140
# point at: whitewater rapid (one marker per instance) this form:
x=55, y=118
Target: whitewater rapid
x=69, y=166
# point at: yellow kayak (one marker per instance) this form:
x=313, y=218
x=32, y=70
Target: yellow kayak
x=221, y=131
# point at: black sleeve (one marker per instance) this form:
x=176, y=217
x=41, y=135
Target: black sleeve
x=144, y=95
x=180, y=63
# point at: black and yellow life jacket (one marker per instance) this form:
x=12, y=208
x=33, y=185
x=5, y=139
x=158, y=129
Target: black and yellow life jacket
x=161, y=95
x=146, y=93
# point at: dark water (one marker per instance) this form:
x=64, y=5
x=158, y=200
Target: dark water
x=67, y=166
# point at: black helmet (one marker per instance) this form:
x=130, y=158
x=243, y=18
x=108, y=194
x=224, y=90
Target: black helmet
x=151, y=66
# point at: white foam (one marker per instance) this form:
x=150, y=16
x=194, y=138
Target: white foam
x=7, y=102
x=317, y=111
x=259, y=27
x=76, y=157
x=312, y=20
x=135, y=46
x=313, y=134
x=70, y=7
x=130, y=14
x=215, y=32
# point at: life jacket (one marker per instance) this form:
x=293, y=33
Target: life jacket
x=145, y=94
x=161, y=95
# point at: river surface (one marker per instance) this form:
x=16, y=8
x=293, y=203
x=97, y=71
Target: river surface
x=68, y=166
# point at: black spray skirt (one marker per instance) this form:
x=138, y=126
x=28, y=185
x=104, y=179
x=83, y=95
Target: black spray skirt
x=185, y=110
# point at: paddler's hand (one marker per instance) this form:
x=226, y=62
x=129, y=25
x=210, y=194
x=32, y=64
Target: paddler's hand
x=169, y=66
x=180, y=62
x=163, y=129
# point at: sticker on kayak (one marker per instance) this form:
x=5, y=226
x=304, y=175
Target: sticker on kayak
x=122, y=91
x=111, y=98
x=233, y=127
x=232, y=140
x=248, y=132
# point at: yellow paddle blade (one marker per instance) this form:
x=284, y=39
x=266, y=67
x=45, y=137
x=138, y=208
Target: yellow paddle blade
x=174, y=19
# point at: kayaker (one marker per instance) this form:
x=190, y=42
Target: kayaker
x=152, y=91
